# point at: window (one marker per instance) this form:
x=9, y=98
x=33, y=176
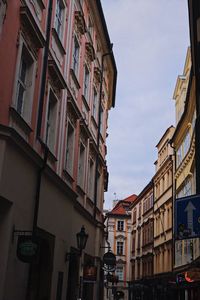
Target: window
x=94, y=104
x=59, y=18
x=25, y=84
x=81, y=165
x=134, y=215
x=186, y=189
x=86, y=83
x=70, y=148
x=75, y=59
x=90, y=27
x=120, y=225
x=101, y=119
x=91, y=179
x=3, y=7
x=99, y=188
x=51, y=121
x=183, y=149
x=120, y=273
x=120, y=248
x=140, y=209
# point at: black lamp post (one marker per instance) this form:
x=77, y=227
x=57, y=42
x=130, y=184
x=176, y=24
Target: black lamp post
x=81, y=239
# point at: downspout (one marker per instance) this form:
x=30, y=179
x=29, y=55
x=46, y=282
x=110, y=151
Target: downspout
x=99, y=132
x=38, y=133
x=44, y=70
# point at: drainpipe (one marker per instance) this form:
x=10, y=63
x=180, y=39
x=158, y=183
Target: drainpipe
x=44, y=69
x=99, y=131
x=38, y=133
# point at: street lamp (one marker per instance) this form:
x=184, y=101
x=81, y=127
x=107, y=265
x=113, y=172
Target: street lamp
x=81, y=239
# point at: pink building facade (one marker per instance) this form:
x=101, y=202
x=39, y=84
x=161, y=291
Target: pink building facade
x=57, y=84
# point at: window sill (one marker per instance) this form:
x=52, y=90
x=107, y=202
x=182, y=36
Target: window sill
x=68, y=176
x=58, y=40
x=52, y=156
x=86, y=103
x=90, y=202
x=75, y=79
x=94, y=121
x=20, y=120
x=80, y=190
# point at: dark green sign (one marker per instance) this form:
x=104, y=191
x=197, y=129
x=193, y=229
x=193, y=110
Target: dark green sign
x=27, y=248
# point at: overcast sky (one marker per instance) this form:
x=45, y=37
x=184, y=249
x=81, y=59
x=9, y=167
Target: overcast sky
x=150, y=40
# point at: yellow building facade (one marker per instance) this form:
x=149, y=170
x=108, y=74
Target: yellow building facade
x=183, y=142
x=163, y=205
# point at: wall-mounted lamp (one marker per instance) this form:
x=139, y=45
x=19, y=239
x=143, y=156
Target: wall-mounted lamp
x=81, y=238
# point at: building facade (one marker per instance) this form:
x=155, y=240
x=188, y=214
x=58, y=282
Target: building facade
x=142, y=243
x=183, y=141
x=118, y=223
x=57, y=87
x=163, y=246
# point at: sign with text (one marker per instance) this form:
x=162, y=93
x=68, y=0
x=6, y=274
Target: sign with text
x=187, y=217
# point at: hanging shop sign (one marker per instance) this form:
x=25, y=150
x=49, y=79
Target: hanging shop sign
x=90, y=274
x=27, y=248
x=109, y=259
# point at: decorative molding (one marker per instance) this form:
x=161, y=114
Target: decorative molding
x=29, y=22
x=80, y=22
x=90, y=51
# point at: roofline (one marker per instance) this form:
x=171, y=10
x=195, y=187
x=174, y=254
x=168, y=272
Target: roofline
x=102, y=17
x=185, y=108
x=166, y=131
x=139, y=197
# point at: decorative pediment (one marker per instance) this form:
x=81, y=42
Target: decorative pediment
x=121, y=262
x=90, y=51
x=33, y=27
x=80, y=22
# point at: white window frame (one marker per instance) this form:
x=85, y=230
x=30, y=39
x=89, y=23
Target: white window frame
x=120, y=225
x=59, y=18
x=81, y=165
x=51, y=140
x=76, y=56
x=29, y=86
x=86, y=83
x=120, y=272
x=67, y=168
x=91, y=178
x=95, y=104
x=120, y=248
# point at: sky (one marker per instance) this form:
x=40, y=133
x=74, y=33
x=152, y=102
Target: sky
x=150, y=40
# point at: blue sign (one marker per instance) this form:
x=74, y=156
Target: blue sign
x=187, y=217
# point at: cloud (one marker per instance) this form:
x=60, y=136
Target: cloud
x=150, y=42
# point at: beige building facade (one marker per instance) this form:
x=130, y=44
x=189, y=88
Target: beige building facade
x=184, y=145
x=163, y=245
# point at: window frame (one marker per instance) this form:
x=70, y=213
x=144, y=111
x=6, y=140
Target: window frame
x=76, y=56
x=70, y=170
x=59, y=20
x=54, y=99
x=31, y=78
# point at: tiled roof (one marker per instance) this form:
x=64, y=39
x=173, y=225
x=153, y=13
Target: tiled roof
x=122, y=207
